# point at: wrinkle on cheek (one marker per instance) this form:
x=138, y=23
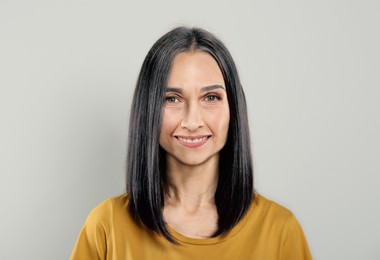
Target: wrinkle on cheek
x=170, y=123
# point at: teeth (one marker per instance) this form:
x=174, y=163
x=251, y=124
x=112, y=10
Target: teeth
x=192, y=141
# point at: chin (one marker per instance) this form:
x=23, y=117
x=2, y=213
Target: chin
x=194, y=161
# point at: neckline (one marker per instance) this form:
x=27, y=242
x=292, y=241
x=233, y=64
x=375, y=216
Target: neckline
x=219, y=239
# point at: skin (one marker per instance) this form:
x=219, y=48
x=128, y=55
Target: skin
x=194, y=130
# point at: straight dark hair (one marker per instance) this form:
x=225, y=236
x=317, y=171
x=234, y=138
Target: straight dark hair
x=146, y=167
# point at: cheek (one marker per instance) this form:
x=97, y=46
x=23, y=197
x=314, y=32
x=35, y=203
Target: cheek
x=219, y=121
x=169, y=124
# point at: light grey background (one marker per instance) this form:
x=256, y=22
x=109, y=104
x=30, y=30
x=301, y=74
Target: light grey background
x=310, y=70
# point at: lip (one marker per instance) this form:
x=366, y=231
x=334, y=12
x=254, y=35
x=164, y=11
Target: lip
x=192, y=141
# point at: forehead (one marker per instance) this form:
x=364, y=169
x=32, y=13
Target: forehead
x=195, y=68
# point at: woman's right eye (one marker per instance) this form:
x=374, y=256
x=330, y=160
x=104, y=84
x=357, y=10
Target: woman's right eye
x=171, y=99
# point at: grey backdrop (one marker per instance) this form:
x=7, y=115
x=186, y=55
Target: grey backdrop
x=310, y=70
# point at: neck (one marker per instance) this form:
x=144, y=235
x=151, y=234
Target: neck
x=191, y=186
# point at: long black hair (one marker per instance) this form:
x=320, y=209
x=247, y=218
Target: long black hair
x=146, y=169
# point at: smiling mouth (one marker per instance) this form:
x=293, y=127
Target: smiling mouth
x=193, y=142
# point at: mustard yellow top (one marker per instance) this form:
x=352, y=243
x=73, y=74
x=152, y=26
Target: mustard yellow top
x=268, y=231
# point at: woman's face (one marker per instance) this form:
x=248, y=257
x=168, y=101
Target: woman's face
x=196, y=113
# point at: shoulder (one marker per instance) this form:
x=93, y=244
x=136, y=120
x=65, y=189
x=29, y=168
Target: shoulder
x=272, y=215
x=106, y=210
x=98, y=229
x=279, y=224
x=269, y=207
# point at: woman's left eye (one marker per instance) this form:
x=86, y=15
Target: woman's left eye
x=212, y=98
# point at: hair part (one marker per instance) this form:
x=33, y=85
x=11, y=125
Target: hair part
x=146, y=161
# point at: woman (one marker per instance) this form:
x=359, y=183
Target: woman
x=190, y=188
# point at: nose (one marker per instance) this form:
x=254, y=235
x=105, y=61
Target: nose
x=192, y=119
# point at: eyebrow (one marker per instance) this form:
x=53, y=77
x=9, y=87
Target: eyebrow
x=212, y=87
x=203, y=89
x=176, y=90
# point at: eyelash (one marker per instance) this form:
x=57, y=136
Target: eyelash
x=214, y=96
x=168, y=98
x=176, y=99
